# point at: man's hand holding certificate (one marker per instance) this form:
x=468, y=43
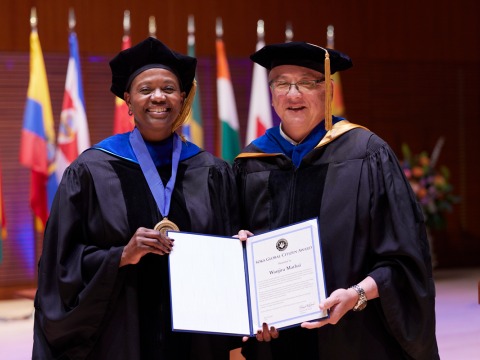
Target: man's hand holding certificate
x=223, y=285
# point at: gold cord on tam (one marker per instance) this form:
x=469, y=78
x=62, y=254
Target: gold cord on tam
x=186, y=108
x=328, y=93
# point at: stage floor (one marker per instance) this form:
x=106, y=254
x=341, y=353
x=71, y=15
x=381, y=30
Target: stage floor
x=457, y=309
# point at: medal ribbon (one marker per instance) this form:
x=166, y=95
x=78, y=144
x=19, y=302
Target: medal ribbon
x=164, y=196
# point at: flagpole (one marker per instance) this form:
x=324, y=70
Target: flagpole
x=38, y=244
x=219, y=28
x=260, y=30
x=33, y=19
x=73, y=133
x=330, y=36
x=71, y=20
x=288, y=32
x=191, y=30
x=126, y=23
x=152, y=27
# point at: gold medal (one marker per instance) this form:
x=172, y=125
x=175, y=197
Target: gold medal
x=165, y=225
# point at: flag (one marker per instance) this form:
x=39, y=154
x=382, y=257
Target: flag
x=37, y=148
x=192, y=129
x=260, y=113
x=227, y=109
x=122, y=122
x=3, y=223
x=338, y=106
x=73, y=134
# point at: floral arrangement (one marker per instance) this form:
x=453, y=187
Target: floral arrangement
x=430, y=184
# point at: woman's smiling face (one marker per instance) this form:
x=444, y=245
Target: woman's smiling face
x=155, y=99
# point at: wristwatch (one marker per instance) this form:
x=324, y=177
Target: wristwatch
x=362, y=299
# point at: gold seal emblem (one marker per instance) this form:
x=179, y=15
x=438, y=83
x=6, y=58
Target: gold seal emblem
x=165, y=225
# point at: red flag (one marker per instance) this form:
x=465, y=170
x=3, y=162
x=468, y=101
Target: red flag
x=123, y=122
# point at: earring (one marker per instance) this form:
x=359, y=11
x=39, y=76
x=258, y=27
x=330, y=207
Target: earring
x=130, y=113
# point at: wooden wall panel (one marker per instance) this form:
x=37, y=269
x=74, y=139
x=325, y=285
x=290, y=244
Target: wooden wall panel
x=407, y=30
x=414, y=79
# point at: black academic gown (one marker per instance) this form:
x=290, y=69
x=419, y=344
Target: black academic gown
x=370, y=225
x=87, y=307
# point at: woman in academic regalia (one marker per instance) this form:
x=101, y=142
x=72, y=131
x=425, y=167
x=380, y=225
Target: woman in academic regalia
x=103, y=289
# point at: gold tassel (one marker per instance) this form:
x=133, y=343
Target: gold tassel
x=328, y=93
x=186, y=109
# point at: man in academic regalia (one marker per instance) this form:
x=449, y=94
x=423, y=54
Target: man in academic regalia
x=372, y=229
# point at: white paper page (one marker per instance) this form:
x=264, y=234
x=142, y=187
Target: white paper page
x=286, y=275
x=208, y=295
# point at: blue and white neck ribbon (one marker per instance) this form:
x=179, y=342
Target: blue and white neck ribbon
x=161, y=194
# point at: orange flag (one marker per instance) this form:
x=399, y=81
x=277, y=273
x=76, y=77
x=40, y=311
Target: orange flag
x=227, y=109
x=338, y=106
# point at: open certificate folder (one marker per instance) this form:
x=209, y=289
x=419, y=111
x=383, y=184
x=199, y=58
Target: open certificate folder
x=221, y=285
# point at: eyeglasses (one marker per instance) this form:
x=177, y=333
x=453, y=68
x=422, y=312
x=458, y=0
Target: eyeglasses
x=303, y=86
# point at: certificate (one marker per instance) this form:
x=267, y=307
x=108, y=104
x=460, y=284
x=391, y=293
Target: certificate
x=222, y=285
